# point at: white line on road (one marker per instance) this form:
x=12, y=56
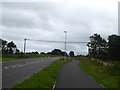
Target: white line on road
x=25, y=64
x=6, y=67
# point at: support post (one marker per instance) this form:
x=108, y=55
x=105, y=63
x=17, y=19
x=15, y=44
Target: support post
x=24, y=45
x=65, y=44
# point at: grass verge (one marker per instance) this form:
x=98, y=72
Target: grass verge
x=10, y=59
x=102, y=74
x=14, y=57
x=43, y=79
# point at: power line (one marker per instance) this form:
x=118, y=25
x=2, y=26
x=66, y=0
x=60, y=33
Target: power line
x=54, y=41
x=48, y=41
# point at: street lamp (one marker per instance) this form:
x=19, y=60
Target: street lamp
x=24, y=45
x=65, y=44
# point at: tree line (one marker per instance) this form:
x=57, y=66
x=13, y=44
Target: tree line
x=105, y=49
x=97, y=47
x=11, y=48
x=55, y=52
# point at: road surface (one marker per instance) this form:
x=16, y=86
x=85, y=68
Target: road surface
x=16, y=71
x=71, y=76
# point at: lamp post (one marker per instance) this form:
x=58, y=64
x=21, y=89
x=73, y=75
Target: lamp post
x=24, y=45
x=65, y=44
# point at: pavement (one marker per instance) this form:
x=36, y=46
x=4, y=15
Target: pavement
x=16, y=71
x=71, y=76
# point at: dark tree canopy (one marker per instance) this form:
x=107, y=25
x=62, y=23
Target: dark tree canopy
x=56, y=52
x=101, y=48
x=114, y=46
x=97, y=45
x=9, y=47
x=71, y=53
x=42, y=53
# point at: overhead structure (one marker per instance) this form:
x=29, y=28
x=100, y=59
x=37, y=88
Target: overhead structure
x=50, y=41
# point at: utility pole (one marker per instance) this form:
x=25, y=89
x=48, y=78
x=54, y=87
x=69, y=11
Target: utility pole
x=65, y=44
x=24, y=45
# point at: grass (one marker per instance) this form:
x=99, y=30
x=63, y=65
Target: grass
x=14, y=57
x=106, y=76
x=10, y=59
x=0, y=59
x=43, y=79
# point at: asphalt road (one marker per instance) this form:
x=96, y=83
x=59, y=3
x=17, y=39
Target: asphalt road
x=16, y=71
x=71, y=76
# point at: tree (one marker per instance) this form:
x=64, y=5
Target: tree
x=11, y=47
x=36, y=52
x=56, y=52
x=49, y=53
x=17, y=51
x=114, y=46
x=42, y=53
x=71, y=53
x=4, y=45
x=97, y=45
x=63, y=53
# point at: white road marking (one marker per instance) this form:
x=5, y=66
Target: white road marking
x=54, y=86
x=20, y=65
x=26, y=63
x=6, y=67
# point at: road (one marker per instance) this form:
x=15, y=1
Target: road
x=71, y=76
x=16, y=71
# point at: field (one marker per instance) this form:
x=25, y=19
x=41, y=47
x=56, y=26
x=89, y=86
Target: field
x=108, y=76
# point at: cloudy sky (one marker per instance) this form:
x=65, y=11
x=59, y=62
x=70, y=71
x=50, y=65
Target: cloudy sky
x=48, y=19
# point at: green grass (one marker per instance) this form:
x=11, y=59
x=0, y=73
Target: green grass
x=0, y=59
x=14, y=57
x=43, y=79
x=102, y=74
x=10, y=59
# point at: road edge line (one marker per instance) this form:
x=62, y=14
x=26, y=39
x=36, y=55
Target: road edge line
x=54, y=86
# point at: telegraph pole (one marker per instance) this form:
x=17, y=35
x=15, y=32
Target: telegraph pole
x=65, y=44
x=24, y=45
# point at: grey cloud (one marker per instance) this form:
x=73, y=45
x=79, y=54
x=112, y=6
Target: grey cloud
x=25, y=17
x=47, y=21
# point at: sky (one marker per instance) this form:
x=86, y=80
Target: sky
x=48, y=19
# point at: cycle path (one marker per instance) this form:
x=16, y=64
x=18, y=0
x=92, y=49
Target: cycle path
x=71, y=76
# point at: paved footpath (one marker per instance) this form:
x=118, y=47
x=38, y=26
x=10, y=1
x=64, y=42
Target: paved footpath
x=71, y=76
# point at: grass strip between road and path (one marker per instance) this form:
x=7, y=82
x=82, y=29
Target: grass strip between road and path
x=43, y=79
x=104, y=75
x=15, y=57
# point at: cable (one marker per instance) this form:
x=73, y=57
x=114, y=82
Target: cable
x=54, y=41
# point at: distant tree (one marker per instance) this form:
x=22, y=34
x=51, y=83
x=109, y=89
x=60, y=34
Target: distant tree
x=17, y=51
x=42, y=53
x=36, y=52
x=97, y=45
x=114, y=46
x=71, y=53
x=21, y=52
x=63, y=53
x=4, y=45
x=56, y=52
x=49, y=53
x=11, y=47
